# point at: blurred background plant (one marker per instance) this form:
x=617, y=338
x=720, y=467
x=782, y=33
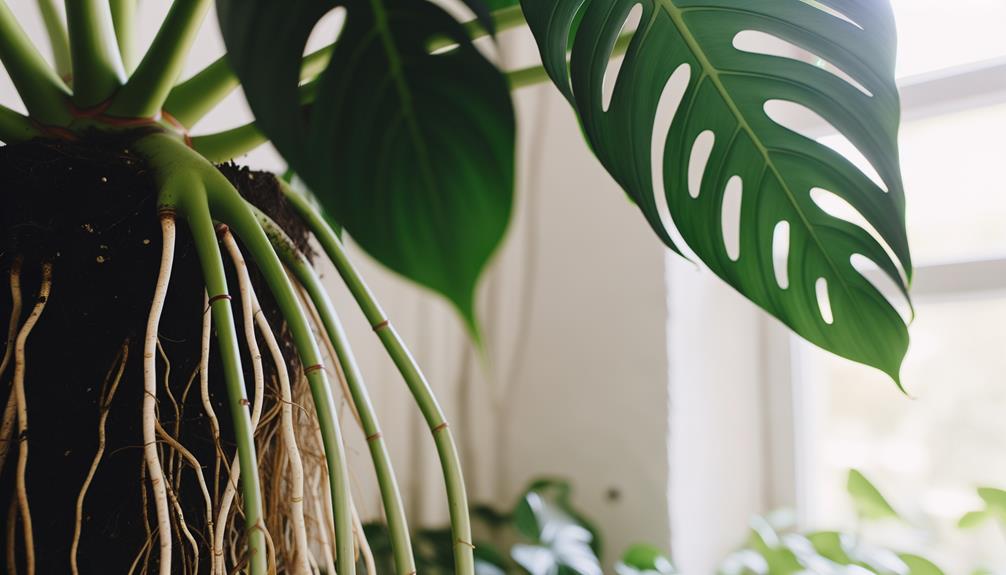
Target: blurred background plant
x=544, y=534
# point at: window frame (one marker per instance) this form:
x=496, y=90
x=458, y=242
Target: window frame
x=789, y=405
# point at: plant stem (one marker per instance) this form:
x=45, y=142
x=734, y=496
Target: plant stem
x=16, y=127
x=58, y=41
x=398, y=528
x=537, y=74
x=180, y=178
x=196, y=210
x=97, y=66
x=446, y=448
x=184, y=177
x=148, y=87
x=233, y=210
x=226, y=145
x=192, y=99
x=124, y=21
x=503, y=19
x=42, y=91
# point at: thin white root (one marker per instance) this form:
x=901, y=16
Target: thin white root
x=322, y=337
x=105, y=403
x=326, y=545
x=204, y=394
x=10, y=410
x=363, y=545
x=294, y=458
x=252, y=309
x=136, y=561
x=182, y=525
x=174, y=404
x=153, y=461
x=257, y=402
x=270, y=551
x=200, y=478
x=15, y=315
x=22, y=415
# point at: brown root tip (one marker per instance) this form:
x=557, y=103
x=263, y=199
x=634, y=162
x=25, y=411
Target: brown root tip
x=222, y=230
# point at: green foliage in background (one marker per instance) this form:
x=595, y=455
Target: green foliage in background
x=774, y=549
x=545, y=535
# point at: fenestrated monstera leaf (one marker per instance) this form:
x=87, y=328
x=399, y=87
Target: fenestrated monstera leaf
x=776, y=168
x=412, y=152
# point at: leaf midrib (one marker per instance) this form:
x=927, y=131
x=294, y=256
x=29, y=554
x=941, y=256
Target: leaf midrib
x=401, y=87
x=676, y=15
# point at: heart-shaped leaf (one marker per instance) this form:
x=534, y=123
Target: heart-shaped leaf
x=412, y=152
x=759, y=172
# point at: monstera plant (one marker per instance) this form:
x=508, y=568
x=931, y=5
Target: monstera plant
x=135, y=441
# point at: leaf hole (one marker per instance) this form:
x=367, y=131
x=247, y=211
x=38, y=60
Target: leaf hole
x=824, y=300
x=667, y=109
x=809, y=124
x=780, y=253
x=326, y=30
x=838, y=207
x=731, y=217
x=831, y=11
x=757, y=42
x=615, y=65
x=883, y=283
x=702, y=148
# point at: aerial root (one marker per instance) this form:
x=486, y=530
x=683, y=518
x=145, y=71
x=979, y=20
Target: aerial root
x=182, y=525
x=254, y=317
x=171, y=467
x=10, y=409
x=200, y=478
x=20, y=366
x=108, y=389
x=148, y=545
x=363, y=545
x=153, y=463
x=230, y=490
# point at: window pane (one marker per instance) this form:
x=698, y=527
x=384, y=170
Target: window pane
x=928, y=454
x=937, y=34
x=952, y=165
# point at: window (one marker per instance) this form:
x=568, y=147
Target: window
x=931, y=451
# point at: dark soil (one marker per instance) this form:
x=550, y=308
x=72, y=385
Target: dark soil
x=90, y=209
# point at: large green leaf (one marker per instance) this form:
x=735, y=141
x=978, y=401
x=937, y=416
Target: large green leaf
x=412, y=152
x=727, y=91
